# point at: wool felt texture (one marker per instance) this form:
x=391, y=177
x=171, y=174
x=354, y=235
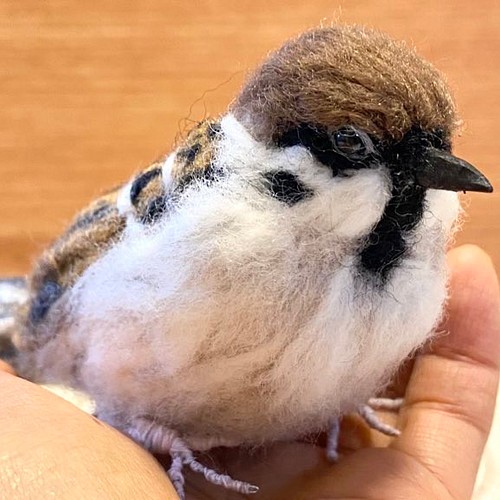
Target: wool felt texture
x=236, y=275
x=345, y=75
x=230, y=293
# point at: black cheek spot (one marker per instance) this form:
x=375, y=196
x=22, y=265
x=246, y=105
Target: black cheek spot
x=46, y=296
x=189, y=154
x=155, y=209
x=318, y=141
x=286, y=187
x=141, y=182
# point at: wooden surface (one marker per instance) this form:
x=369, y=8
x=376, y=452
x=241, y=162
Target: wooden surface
x=92, y=91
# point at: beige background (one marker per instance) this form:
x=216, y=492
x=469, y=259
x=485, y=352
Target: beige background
x=92, y=91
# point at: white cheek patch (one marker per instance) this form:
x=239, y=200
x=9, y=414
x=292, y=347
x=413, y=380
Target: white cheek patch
x=358, y=202
x=345, y=206
x=237, y=138
x=241, y=153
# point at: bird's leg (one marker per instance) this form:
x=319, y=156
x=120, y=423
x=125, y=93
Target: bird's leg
x=160, y=439
x=368, y=414
x=332, y=443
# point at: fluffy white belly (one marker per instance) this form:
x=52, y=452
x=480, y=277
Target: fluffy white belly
x=243, y=336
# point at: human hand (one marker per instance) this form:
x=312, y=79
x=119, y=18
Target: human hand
x=50, y=447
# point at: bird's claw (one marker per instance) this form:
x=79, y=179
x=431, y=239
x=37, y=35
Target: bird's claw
x=367, y=412
x=159, y=439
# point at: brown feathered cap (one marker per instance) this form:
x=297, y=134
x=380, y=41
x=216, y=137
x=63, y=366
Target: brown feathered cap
x=345, y=75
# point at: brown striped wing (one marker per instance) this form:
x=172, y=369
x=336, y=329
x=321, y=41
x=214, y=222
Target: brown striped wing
x=100, y=225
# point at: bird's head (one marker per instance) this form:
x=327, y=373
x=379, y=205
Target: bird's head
x=376, y=122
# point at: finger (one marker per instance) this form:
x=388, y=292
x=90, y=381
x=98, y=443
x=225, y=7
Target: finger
x=4, y=367
x=451, y=395
x=50, y=448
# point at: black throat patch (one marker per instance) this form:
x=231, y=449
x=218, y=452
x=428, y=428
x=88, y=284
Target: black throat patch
x=388, y=241
x=386, y=244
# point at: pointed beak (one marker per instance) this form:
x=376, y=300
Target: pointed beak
x=442, y=170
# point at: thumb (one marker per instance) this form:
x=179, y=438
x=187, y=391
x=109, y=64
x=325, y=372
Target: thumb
x=451, y=395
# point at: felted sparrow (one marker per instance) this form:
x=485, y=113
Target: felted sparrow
x=271, y=273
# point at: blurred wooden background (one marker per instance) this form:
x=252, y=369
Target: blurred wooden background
x=92, y=91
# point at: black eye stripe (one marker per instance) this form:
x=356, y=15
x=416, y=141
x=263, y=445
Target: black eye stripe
x=319, y=141
x=310, y=136
x=286, y=187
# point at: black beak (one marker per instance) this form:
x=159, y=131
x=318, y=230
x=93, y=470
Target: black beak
x=442, y=170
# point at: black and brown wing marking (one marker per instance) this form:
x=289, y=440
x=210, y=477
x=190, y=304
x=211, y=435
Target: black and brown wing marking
x=150, y=198
x=101, y=224
x=194, y=161
x=93, y=231
x=147, y=194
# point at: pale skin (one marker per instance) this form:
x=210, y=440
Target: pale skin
x=50, y=448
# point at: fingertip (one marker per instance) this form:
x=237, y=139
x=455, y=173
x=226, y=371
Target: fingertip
x=470, y=260
x=473, y=309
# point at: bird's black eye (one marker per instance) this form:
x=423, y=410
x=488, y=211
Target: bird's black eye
x=352, y=143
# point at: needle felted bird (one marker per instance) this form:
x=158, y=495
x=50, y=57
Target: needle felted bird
x=271, y=273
